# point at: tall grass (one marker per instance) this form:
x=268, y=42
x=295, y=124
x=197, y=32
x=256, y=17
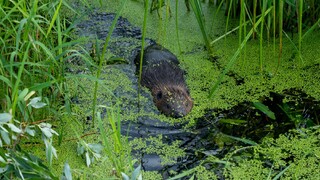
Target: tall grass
x=102, y=59
x=33, y=51
x=197, y=9
x=235, y=56
x=144, y=30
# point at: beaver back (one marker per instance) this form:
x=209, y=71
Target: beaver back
x=162, y=75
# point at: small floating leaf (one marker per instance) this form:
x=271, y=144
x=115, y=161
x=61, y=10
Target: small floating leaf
x=263, y=108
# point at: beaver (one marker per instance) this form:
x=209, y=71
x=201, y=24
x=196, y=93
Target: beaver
x=163, y=77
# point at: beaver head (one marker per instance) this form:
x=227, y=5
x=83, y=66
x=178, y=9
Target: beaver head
x=173, y=100
x=163, y=76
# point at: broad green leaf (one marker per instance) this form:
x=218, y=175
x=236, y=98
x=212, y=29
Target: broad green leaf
x=46, y=129
x=46, y=132
x=30, y=131
x=80, y=149
x=38, y=105
x=124, y=176
x=5, y=137
x=263, y=108
x=35, y=102
x=2, y=170
x=67, y=171
x=5, y=117
x=136, y=173
x=14, y=128
x=96, y=147
x=23, y=94
x=2, y=159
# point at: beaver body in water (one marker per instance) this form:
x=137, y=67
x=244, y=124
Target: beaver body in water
x=162, y=75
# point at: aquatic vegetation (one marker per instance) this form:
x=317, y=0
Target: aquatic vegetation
x=295, y=153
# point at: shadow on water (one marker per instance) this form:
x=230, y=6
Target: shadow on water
x=292, y=109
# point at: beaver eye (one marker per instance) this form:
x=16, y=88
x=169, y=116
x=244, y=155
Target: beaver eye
x=159, y=95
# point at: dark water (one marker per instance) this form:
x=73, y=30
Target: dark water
x=202, y=139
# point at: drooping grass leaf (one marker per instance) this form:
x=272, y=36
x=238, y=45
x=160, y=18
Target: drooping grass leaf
x=263, y=108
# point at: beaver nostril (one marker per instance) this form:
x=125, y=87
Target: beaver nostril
x=159, y=95
x=177, y=115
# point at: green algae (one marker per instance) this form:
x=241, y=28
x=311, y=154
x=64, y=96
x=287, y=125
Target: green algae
x=297, y=150
x=154, y=145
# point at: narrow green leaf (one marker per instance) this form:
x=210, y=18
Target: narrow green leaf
x=281, y=173
x=49, y=151
x=6, y=81
x=124, y=176
x=233, y=121
x=246, y=141
x=56, y=13
x=136, y=173
x=31, y=93
x=263, y=108
x=88, y=161
x=181, y=175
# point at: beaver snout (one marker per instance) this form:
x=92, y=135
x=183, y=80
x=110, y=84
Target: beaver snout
x=173, y=101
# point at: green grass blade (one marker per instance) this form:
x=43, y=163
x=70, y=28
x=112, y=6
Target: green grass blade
x=234, y=57
x=55, y=16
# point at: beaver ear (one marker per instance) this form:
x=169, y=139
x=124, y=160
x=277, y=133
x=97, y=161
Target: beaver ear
x=159, y=95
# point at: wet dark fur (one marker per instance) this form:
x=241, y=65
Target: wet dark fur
x=162, y=75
